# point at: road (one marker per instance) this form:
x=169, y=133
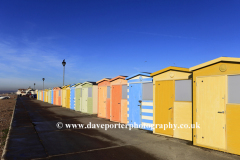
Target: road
x=34, y=135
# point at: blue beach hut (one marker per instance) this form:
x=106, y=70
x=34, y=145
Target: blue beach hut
x=140, y=100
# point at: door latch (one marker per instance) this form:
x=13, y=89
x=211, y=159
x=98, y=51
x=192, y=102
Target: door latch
x=169, y=108
x=220, y=111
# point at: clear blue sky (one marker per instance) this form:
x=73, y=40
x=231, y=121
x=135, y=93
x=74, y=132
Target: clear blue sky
x=109, y=38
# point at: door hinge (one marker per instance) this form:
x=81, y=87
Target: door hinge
x=196, y=110
x=196, y=83
x=196, y=136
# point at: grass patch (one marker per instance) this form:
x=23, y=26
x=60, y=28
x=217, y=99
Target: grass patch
x=5, y=133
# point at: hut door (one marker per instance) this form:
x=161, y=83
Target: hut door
x=135, y=102
x=210, y=111
x=77, y=105
x=116, y=102
x=72, y=96
x=84, y=99
x=164, y=107
x=102, y=101
x=68, y=98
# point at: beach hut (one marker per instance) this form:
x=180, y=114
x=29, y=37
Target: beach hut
x=46, y=95
x=68, y=90
x=42, y=95
x=58, y=96
x=89, y=97
x=55, y=95
x=104, y=98
x=52, y=96
x=140, y=100
x=78, y=97
x=216, y=104
x=36, y=92
x=73, y=96
x=118, y=102
x=49, y=95
x=64, y=94
x=172, y=98
x=39, y=94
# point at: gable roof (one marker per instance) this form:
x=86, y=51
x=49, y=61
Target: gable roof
x=104, y=79
x=89, y=82
x=217, y=60
x=139, y=73
x=63, y=87
x=118, y=77
x=171, y=68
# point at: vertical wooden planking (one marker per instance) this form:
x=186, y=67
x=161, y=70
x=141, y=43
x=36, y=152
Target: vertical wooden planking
x=233, y=131
x=108, y=108
x=183, y=115
x=210, y=101
x=95, y=99
x=116, y=103
x=116, y=97
x=103, y=100
x=124, y=111
x=77, y=92
x=164, y=106
x=84, y=99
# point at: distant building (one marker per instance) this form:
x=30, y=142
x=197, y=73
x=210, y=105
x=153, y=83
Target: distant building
x=21, y=91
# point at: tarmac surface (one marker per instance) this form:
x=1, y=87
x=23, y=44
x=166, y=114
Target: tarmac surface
x=34, y=135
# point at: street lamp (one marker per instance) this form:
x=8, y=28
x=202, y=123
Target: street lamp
x=34, y=85
x=63, y=63
x=43, y=82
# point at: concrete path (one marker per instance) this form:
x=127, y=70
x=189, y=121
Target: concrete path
x=34, y=135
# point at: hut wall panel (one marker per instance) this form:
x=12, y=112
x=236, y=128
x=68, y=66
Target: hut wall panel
x=183, y=115
x=232, y=128
x=124, y=111
x=95, y=99
x=147, y=114
x=108, y=108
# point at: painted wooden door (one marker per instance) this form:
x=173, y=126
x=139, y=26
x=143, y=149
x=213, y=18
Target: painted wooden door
x=77, y=99
x=72, y=99
x=108, y=108
x=135, y=99
x=116, y=102
x=59, y=97
x=211, y=111
x=49, y=96
x=64, y=97
x=164, y=106
x=84, y=99
x=102, y=101
x=68, y=98
x=52, y=97
x=90, y=100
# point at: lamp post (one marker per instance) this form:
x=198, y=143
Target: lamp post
x=63, y=63
x=34, y=85
x=43, y=82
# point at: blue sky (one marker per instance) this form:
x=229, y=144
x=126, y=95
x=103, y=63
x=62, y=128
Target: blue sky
x=109, y=38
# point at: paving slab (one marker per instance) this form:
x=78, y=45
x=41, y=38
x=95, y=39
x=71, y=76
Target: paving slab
x=34, y=135
x=116, y=153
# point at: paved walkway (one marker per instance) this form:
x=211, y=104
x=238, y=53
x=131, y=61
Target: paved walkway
x=34, y=135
